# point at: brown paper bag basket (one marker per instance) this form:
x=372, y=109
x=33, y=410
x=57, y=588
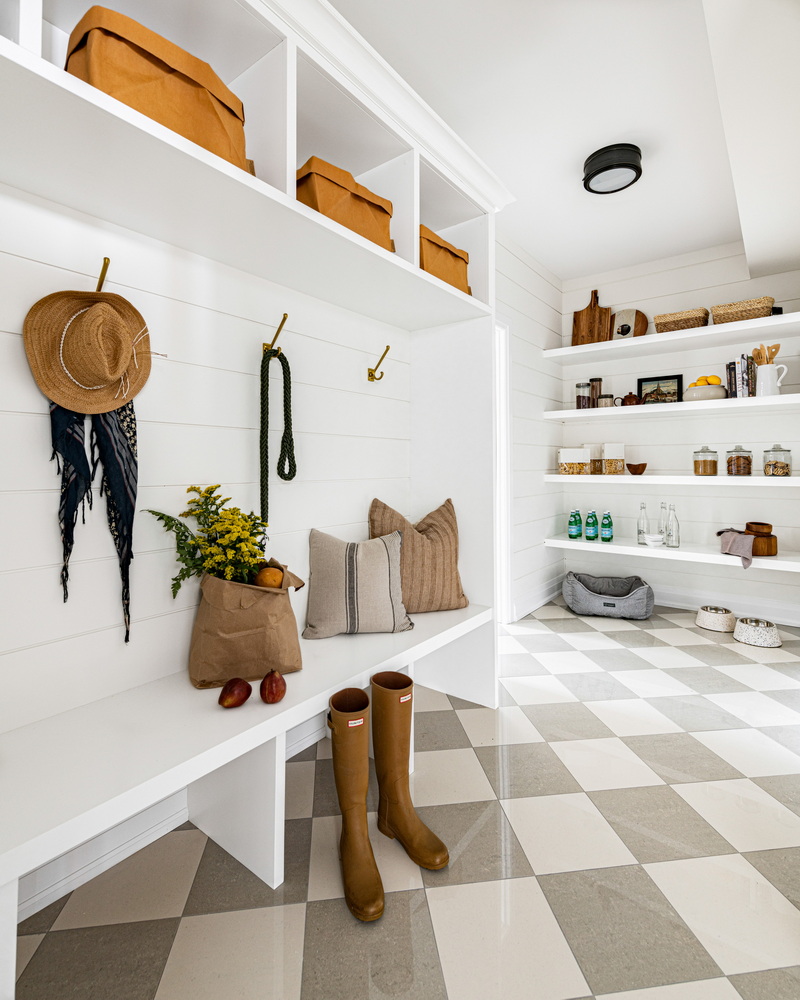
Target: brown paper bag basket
x=244, y=631
x=336, y=193
x=152, y=75
x=438, y=257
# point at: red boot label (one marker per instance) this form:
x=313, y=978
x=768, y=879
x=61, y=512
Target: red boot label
x=355, y=722
x=405, y=697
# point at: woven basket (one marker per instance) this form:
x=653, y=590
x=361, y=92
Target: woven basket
x=735, y=312
x=685, y=320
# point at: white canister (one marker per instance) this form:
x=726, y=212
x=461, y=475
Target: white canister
x=768, y=382
x=756, y=632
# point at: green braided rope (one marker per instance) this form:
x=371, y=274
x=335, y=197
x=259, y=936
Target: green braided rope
x=287, y=469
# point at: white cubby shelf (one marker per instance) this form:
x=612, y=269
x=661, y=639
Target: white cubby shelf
x=789, y=403
x=688, y=481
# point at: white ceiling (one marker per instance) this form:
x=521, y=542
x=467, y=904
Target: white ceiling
x=535, y=86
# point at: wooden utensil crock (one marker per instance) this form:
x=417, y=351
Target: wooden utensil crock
x=764, y=542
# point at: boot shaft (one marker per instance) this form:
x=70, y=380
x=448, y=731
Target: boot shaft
x=348, y=720
x=392, y=710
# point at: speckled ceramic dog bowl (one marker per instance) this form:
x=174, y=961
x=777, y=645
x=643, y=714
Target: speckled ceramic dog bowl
x=756, y=632
x=715, y=619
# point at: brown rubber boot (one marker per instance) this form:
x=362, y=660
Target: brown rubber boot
x=348, y=719
x=392, y=706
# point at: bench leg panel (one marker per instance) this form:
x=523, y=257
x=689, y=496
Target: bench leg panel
x=9, y=897
x=241, y=807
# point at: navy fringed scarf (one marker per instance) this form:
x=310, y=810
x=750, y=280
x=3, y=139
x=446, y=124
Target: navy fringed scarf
x=113, y=444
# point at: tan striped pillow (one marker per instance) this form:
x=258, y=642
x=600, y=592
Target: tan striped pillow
x=428, y=557
x=354, y=586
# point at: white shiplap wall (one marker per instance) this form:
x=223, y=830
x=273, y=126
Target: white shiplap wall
x=701, y=279
x=529, y=304
x=198, y=421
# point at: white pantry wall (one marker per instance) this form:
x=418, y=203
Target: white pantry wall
x=198, y=423
x=705, y=279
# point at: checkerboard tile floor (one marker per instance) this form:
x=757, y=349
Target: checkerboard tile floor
x=626, y=825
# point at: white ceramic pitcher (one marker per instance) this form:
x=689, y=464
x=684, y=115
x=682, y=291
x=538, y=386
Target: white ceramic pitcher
x=768, y=383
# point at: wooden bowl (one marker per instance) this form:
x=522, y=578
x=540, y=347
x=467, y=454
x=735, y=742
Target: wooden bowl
x=758, y=528
x=636, y=469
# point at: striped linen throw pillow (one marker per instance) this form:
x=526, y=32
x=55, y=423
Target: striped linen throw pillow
x=354, y=586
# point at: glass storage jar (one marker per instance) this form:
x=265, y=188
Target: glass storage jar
x=595, y=391
x=583, y=399
x=705, y=461
x=739, y=461
x=777, y=461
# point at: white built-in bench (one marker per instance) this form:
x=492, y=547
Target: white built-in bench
x=69, y=778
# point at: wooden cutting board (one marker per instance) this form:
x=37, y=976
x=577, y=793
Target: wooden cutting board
x=635, y=320
x=592, y=324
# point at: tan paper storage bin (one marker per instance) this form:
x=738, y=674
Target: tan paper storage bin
x=437, y=256
x=145, y=71
x=335, y=192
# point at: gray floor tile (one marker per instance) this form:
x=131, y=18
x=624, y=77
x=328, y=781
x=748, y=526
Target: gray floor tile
x=781, y=868
x=541, y=642
x=123, y=961
x=326, y=802
x=566, y=722
x=223, y=884
x=525, y=769
x=705, y=680
x=596, y=687
x=679, y=757
x=310, y=753
x=654, y=621
x=695, y=714
x=655, y=824
x=623, y=932
x=42, y=921
x=618, y=659
x=482, y=844
x=439, y=731
x=717, y=654
x=789, y=698
x=520, y=665
x=188, y=825
x=561, y=626
x=395, y=956
x=724, y=638
x=776, y=984
x=463, y=703
x=783, y=787
x=787, y=736
x=636, y=639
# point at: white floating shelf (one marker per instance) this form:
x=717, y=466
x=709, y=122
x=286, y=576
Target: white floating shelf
x=707, y=554
x=140, y=175
x=698, y=338
x=735, y=407
x=691, y=481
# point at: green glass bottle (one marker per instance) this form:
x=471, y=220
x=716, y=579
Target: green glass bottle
x=591, y=526
x=572, y=525
x=607, y=528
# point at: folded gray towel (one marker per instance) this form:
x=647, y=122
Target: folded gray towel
x=737, y=543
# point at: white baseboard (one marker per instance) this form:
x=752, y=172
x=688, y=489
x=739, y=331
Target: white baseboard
x=782, y=612
x=534, y=599
x=306, y=734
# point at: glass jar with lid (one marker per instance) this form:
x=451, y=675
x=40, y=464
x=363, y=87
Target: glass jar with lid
x=705, y=461
x=739, y=461
x=777, y=461
x=583, y=398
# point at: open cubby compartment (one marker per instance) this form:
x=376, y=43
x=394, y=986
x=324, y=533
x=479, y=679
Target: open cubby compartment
x=452, y=214
x=335, y=126
x=10, y=22
x=248, y=55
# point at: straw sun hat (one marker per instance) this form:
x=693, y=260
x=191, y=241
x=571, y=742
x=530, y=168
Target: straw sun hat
x=88, y=351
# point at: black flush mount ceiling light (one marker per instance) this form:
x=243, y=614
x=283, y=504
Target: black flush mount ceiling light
x=612, y=168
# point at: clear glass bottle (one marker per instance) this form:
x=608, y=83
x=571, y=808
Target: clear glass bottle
x=777, y=461
x=607, y=527
x=591, y=526
x=643, y=524
x=662, y=519
x=673, y=534
x=583, y=398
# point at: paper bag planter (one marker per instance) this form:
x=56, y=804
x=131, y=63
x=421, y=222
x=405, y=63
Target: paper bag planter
x=152, y=75
x=336, y=193
x=438, y=257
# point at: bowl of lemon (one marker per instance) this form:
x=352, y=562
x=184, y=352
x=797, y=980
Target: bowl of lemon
x=706, y=387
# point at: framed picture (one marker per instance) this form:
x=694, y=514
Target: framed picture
x=663, y=389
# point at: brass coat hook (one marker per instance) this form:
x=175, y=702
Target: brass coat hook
x=103, y=272
x=269, y=347
x=371, y=371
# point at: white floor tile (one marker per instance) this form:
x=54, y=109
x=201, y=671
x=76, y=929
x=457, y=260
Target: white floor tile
x=300, y=789
x=756, y=709
x=564, y=833
x=398, y=871
x=604, y=763
x=590, y=640
x=742, y=921
x=528, y=626
x=510, y=644
x=753, y=753
x=668, y=657
x=428, y=700
x=758, y=677
x=682, y=618
x=500, y=939
x=537, y=690
x=568, y=662
x=708, y=989
x=763, y=654
x=552, y=611
x=749, y=818
x=679, y=637
x=486, y=727
x=632, y=717
x=444, y=776
x=651, y=683
x=247, y=954
x=609, y=624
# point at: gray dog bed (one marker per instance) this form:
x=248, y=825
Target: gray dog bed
x=608, y=596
